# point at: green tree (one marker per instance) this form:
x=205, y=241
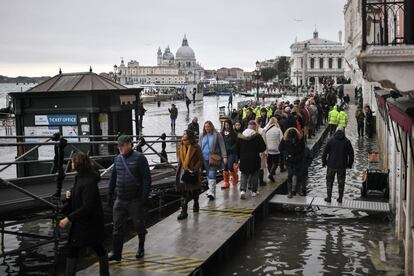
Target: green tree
x=268, y=73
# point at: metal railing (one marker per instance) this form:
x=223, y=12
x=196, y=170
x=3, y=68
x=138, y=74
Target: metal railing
x=386, y=23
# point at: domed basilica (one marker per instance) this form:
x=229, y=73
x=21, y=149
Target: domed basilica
x=170, y=70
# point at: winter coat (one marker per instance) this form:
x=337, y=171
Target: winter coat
x=230, y=142
x=360, y=116
x=194, y=127
x=195, y=165
x=293, y=151
x=86, y=213
x=272, y=137
x=126, y=187
x=173, y=112
x=338, y=152
x=217, y=148
x=249, y=146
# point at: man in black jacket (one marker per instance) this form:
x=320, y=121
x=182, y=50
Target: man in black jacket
x=338, y=155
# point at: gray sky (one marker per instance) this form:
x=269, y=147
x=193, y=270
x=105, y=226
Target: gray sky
x=39, y=36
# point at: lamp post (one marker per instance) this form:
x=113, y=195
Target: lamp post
x=297, y=82
x=257, y=75
x=115, y=71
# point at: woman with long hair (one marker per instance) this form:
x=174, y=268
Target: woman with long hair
x=85, y=214
x=214, y=153
x=190, y=162
x=230, y=142
x=294, y=147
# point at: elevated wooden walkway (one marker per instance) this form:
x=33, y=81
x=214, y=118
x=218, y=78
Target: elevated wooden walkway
x=306, y=201
x=182, y=247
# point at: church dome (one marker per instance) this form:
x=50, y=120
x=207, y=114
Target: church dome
x=185, y=52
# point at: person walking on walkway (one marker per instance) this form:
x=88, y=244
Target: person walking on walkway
x=84, y=211
x=230, y=142
x=58, y=161
x=369, y=121
x=294, y=147
x=194, y=126
x=188, y=181
x=360, y=118
x=333, y=120
x=187, y=103
x=249, y=146
x=338, y=155
x=131, y=182
x=173, y=116
x=230, y=103
x=263, y=164
x=214, y=153
x=272, y=136
x=342, y=118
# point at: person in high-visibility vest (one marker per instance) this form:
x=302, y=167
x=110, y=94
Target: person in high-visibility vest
x=333, y=120
x=342, y=118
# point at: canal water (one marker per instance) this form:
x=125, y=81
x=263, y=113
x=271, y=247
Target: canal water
x=326, y=241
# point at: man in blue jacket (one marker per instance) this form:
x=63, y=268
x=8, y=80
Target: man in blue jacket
x=131, y=183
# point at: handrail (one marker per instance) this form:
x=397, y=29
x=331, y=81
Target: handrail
x=83, y=136
x=23, y=155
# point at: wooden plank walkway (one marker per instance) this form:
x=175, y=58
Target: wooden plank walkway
x=182, y=247
x=306, y=201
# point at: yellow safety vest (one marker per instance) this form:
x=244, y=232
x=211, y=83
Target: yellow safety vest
x=343, y=119
x=333, y=116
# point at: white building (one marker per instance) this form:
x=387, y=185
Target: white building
x=316, y=59
x=181, y=69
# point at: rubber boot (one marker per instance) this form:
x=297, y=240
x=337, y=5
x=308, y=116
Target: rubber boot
x=103, y=265
x=289, y=185
x=196, y=206
x=70, y=267
x=226, y=177
x=211, y=189
x=341, y=194
x=141, y=246
x=235, y=175
x=261, y=176
x=117, y=244
x=329, y=194
x=183, y=214
x=234, y=178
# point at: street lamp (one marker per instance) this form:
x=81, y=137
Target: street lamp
x=257, y=75
x=297, y=82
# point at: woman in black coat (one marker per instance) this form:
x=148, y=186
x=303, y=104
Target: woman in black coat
x=85, y=214
x=293, y=146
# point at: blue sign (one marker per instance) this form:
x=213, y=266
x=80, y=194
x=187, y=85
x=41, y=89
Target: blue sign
x=56, y=120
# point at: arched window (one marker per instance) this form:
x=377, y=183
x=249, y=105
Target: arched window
x=321, y=63
x=312, y=63
x=339, y=63
x=330, y=61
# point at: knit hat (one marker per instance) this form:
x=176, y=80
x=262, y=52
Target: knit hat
x=124, y=139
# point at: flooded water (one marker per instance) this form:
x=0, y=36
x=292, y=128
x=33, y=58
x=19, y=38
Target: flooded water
x=326, y=241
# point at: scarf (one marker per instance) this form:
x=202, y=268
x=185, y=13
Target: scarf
x=185, y=150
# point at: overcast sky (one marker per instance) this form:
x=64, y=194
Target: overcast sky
x=39, y=36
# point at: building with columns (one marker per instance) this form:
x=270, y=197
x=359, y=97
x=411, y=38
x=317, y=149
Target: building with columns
x=182, y=68
x=315, y=60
